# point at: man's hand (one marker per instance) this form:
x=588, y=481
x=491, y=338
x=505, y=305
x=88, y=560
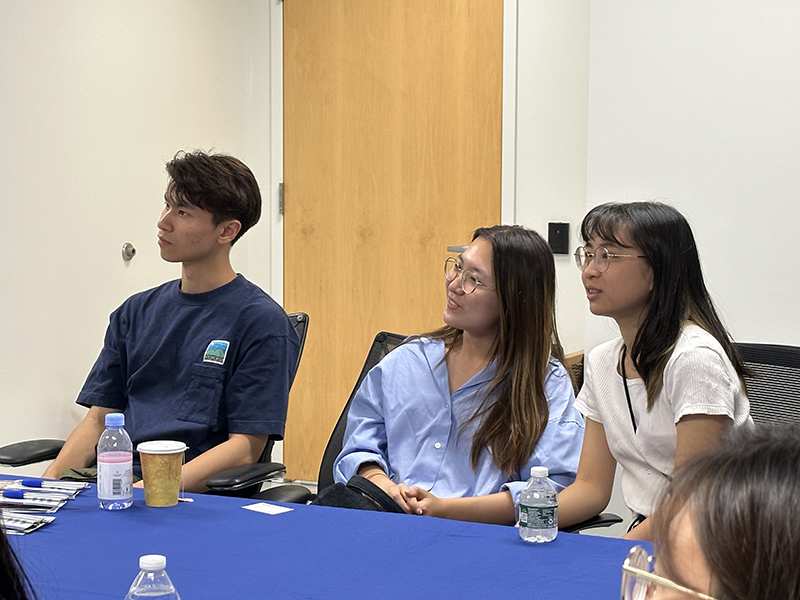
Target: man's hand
x=78, y=451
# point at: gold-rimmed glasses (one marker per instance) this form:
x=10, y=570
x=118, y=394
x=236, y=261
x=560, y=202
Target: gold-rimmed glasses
x=469, y=282
x=601, y=256
x=639, y=583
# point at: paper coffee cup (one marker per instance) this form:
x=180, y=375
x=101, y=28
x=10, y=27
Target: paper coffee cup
x=161, y=470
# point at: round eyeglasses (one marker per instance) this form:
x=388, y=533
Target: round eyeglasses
x=602, y=258
x=469, y=282
x=639, y=583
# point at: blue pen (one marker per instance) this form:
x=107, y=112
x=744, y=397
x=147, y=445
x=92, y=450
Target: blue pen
x=67, y=487
x=20, y=495
x=43, y=483
x=16, y=494
x=33, y=483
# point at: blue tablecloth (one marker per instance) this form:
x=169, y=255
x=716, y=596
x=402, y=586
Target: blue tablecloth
x=216, y=550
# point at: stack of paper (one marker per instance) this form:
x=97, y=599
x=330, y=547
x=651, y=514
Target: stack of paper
x=18, y=523
x=25, y=502
x=32, y=502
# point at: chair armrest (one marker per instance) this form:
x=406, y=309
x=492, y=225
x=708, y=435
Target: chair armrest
x=239, y=478
x=294, y=494
x=601, y=520
x=29, y=452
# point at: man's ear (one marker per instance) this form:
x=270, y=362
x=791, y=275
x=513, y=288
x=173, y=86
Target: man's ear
x=230, y=229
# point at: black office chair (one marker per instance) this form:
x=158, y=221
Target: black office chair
x=773, y=385
x=574, y=364
x=383, y=343
x=246, y=480
x=244, y=483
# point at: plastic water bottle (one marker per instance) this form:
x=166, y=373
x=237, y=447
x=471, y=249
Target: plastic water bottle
x=538, y=508
x=115, y=465
x=152, y=582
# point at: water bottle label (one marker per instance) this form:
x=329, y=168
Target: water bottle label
x=114, y=475
x=538, y=517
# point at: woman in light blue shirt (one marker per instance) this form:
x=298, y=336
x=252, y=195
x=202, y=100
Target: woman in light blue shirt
x=450, y=422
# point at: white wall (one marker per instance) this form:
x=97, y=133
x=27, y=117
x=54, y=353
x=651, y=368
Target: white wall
x=96, y=96
x=698, y=104
x=552, y=75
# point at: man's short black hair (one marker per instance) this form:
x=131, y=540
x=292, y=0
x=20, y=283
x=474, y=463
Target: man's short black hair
x=219, y=183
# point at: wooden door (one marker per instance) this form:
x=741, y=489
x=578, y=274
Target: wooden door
x=392, y=152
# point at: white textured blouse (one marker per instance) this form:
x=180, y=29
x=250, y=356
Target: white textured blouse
x=698, y=379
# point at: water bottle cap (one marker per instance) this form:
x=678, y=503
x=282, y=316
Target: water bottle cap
x=152, y=562
x=115, y=420
x=539, y=472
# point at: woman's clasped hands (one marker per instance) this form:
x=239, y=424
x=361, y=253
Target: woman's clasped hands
x=413, y=500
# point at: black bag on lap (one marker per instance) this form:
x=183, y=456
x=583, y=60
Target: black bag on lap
x=359, y=493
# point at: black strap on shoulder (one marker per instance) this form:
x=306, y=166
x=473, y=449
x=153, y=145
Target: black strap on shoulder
x=625, y=384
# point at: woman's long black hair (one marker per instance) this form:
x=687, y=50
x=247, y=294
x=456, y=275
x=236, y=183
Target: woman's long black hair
x=679, y=292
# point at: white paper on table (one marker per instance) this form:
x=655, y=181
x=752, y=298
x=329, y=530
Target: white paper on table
x=21, y=523
x=267, y=509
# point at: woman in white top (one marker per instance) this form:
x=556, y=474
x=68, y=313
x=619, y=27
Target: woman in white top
x=669, y=387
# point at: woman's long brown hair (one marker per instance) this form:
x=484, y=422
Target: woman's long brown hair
x=515, y=411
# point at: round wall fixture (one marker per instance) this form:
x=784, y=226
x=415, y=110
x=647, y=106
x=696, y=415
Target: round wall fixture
x=128, y=251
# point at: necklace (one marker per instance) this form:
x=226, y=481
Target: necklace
x=625, y=385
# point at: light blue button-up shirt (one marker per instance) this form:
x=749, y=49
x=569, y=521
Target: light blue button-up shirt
x=405, y=419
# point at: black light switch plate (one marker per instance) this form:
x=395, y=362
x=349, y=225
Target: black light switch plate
x=558, y=237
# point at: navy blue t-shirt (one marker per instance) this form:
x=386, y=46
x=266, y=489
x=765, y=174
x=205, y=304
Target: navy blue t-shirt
x=196, y=367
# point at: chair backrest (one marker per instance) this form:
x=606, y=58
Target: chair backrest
x=774, y=384
x=574, y=362
x=299, y=321
x=383, y=343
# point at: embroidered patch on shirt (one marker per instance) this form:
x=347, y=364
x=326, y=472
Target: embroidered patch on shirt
x=216, y=352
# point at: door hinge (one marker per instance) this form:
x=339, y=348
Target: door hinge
x=280, y=198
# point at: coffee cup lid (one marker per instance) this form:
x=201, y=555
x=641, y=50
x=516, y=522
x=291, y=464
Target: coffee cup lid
x=161, y=447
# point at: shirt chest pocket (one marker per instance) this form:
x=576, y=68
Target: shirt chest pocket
x=203, y=395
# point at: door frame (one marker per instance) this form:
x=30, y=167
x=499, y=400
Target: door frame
x=508, y=148
x=276, y=148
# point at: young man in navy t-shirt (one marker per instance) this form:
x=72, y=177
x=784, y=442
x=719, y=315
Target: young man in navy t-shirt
x=207, y=359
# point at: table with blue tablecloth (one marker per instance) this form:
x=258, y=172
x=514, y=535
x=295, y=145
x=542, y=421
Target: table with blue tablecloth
x=217, y=550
